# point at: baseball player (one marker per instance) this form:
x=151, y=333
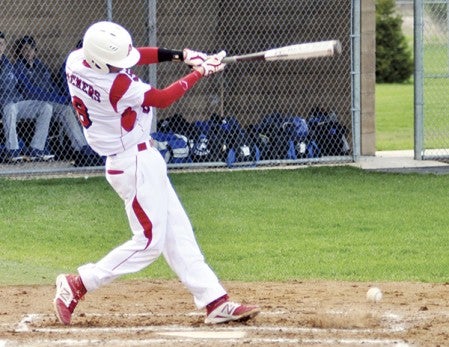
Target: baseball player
x=115, y=108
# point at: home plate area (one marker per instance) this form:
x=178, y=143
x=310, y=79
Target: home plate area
x=309, y=313
x=235, y=333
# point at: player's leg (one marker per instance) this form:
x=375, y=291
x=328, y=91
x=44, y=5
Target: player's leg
x=143, y=189
x=140, y=181
x=184, y=256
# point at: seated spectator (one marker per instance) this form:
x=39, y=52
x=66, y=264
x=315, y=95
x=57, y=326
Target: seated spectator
x=60, y=78
x=14, y=108
x=35, y=82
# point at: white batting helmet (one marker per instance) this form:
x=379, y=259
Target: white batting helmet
x=109, y=44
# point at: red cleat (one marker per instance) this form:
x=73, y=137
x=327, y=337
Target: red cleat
x=222, y=310
x=69, y=290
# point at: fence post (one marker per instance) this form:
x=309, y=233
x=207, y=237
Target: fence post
x=418, y=78
x=109, y=10
x=152, y=41
x=355, y=57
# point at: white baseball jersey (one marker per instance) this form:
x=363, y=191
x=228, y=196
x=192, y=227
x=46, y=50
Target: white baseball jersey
x=116, y=124
x=108, y=106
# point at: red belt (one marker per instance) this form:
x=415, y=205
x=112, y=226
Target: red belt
x=142, y=146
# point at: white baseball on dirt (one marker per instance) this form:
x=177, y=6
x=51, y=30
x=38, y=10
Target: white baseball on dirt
x=374, y=294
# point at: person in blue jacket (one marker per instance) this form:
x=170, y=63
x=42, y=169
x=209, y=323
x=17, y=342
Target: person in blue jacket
x=14, y=107
x=61, y=80
x=35, y=81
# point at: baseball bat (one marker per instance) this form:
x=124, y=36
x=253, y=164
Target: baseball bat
x=293, y=52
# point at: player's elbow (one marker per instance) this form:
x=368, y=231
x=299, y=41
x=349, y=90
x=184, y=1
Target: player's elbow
x=158, y=98
x=164, y=104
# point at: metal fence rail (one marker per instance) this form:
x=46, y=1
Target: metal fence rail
x=431, y=79
x=294, y=113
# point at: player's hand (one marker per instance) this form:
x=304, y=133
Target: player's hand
x=193, y=58
x=212, y=64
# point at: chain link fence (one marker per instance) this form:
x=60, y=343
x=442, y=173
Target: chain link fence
x=431, y=79
x=254, y=113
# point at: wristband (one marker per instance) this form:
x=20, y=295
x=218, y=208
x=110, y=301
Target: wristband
x=164, y=54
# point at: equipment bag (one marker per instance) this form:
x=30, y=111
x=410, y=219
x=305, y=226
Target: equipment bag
x=328, y=134
x=173, y=147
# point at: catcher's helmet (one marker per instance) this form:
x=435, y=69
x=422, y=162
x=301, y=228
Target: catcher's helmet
x=109, y=44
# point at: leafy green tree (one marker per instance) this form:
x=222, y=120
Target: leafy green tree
x=394, y=62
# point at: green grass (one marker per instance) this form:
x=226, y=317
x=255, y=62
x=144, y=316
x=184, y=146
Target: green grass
x=394, y=117
x=435, y=58
x=336, y=223
x=394, y=112
x=394, y=104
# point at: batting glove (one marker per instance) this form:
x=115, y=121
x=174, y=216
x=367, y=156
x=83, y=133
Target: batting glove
x=193, y=58
x=212, y=64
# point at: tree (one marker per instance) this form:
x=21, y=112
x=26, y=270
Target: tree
x=394, y=62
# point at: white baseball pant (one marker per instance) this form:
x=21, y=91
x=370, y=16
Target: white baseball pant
x=159, y=224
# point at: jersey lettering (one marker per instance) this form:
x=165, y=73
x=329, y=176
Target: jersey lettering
x=82, y=112
x=84, y=86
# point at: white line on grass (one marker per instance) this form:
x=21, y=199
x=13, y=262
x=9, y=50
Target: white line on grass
x=182, y=334
x=23, y=326
x=158, y=341
x=159, y=328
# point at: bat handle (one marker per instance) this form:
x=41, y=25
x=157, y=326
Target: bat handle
x=337, y=47
x=228, y=60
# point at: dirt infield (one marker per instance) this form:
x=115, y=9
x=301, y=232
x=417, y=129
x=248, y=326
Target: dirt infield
x=142, y=313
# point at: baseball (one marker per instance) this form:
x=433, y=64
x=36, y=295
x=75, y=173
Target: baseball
x=374, y=294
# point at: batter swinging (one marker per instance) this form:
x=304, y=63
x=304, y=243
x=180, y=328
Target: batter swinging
x=115, y=108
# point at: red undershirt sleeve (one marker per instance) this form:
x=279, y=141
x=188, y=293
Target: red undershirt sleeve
x=148, y=55
x=162, y=98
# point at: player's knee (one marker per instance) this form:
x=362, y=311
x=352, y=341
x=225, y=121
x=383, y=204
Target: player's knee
x=150, y=245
